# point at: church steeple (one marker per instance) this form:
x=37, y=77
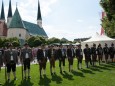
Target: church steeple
x=2, y=17
x=39, y=12
x=39, y=17
x=10, y=9
x=9, y=17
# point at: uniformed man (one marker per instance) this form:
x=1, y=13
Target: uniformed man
x=79, y=55
x=70, y=55
x=87, y=53
x=100, y=53
x=42, y=59
x=51, y=57
x=94, y=54
x=61, y=56
x=106, y=52
x=26, y=58
x=10, y=60
x=112, y=51
x=1, y=59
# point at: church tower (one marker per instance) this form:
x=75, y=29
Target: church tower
x=39, y=18
x=9, y=17
x=2, y=17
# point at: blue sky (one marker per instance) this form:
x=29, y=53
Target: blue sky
x=62, y=18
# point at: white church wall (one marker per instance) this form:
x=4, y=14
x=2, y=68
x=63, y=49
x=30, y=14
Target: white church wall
x=17, y=32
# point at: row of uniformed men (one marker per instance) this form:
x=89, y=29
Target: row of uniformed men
x=10, y=57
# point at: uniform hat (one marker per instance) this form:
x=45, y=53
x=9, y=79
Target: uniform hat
x=105, y=44
x=99, y=45
x=86, y=44
x=79, y=45
x=25, y=44
x=94, y=44
x=112, y=44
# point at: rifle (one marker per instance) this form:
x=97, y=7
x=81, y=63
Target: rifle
x=22, y=69
x=5, y=73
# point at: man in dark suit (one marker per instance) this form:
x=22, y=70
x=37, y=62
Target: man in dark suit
x=51, y=56
x=94, y=54
x=100, y=53
x=10, y=60
x=87, y=53
x=70, y=55
x=79, y=55
x=61, y=56
x=106, y=52
x=26, y=58
x=112, y=51
x=42, y=59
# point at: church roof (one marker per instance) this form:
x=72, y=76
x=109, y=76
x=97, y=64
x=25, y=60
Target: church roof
x=10, y=10
x=2, y=12
x=39, y=12
x=34, y=29
x=16, y=20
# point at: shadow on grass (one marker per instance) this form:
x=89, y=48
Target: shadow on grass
x=109, y=65
x=78, y=73
x=57, y=78
x=67, y=76
x=87, y=71
x=10, y=83
x=95, y=69
x=44, y=81
x=103, y=67
x=26, y=83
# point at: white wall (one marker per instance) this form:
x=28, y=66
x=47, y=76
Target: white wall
x=15, y=32
x=39, y=22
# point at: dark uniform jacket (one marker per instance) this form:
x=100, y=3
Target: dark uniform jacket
x=93, y=51
x=87, y=52
x=111, y=51
x=23, y=54
x=7, y=56
x=70, y=53
x=79, y=52
x=51, y=53
x=106, y=50
x=99, y=51
x=41, y=54
x=59, y=54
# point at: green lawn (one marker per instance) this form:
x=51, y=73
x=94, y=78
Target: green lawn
x=103, y=75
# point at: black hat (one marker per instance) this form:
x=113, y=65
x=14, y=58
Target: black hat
x=99, y=45
x=94, y=44
x=112, y=44
x=79, y=45
x=86, y=44
x=105, y=44
x=25, y=44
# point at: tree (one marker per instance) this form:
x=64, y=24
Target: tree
x=108, y=22
x=53, y=40
x=31, y=41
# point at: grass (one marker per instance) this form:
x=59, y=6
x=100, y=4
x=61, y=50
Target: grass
x=103, y=75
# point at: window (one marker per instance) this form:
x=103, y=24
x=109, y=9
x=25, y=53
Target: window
x=19, y=35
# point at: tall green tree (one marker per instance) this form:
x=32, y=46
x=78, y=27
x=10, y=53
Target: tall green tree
x=108, y=22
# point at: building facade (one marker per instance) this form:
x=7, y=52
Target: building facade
x=16, y=27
